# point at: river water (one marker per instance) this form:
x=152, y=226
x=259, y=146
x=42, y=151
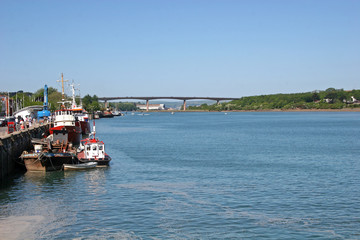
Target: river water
x=201, y=176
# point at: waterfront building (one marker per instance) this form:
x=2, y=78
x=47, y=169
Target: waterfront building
x=151, y=106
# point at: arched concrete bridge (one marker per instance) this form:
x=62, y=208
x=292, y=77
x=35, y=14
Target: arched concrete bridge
x=217, y=99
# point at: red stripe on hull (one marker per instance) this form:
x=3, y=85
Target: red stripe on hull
x=74, y=133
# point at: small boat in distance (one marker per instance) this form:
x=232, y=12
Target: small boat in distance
x=93, y=150
x=107, y=114
x=117, y=113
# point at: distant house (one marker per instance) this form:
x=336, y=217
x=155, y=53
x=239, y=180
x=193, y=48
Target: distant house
x=151, y=106
x=354, y=100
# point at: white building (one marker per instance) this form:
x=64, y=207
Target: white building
x=151, y=106
x=30, y=111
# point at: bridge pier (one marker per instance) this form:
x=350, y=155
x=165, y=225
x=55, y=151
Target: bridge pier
x=106, y=104
x=184, y=107
x=147, y=105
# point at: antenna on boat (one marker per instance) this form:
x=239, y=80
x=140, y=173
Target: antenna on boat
x=80, y=97
x=73, y=94
x=94, y=130
x=74, y=105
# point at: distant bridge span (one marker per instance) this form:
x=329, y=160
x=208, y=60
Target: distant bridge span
x=217, y=99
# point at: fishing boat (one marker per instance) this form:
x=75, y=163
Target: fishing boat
x=50, y=154
x=117, y=113
x=93, y=150
x=80, y=166
x=46, y=161
x=107, y=114
x=83, y=118
x=65, y=120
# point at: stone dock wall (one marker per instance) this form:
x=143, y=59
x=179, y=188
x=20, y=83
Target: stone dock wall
x=12, y=145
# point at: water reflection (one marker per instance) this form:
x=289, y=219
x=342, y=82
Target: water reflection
x=40, y=178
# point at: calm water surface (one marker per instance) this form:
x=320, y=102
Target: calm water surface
x=201, y=176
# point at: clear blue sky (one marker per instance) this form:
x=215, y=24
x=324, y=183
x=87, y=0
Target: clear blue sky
x=227, y=48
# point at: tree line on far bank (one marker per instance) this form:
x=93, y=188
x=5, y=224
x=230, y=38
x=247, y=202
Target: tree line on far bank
x=331, y=98
x=92, y=104
x=23, y=99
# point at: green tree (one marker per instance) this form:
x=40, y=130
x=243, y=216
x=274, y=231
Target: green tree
x=91, y=104
x=315, y=96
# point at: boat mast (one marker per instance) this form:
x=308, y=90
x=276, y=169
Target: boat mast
x=80, y=98
x=62, y=91
x=73, y=95
x=62, y=85
x=94, y=131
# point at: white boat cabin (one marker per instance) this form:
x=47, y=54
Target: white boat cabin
x=94, y=149
x=64, y=118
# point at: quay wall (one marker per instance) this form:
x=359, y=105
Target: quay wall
x=12, y=145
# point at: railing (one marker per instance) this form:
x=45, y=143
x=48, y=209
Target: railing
x=24, y=127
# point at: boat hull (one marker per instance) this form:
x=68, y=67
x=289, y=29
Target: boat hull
x=80, y=166
x=107, y=116
x=85, y=127
x=47, y=161
x=74, y=133
x=100, y=161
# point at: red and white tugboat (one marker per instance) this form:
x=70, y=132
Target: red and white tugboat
x=93, y=150
x=65, y=120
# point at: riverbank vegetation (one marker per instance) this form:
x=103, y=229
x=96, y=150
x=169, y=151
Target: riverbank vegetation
x=331, y=98
x=21, y=99
x=91, y=104
x=124, y=106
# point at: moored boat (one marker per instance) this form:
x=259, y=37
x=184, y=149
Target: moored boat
x=80, y=166
x=117, y=113
x=65, y=120
x=107, y=114
x=83, y=118
x=47, y=161
x=49, y=155
x=93, y=150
